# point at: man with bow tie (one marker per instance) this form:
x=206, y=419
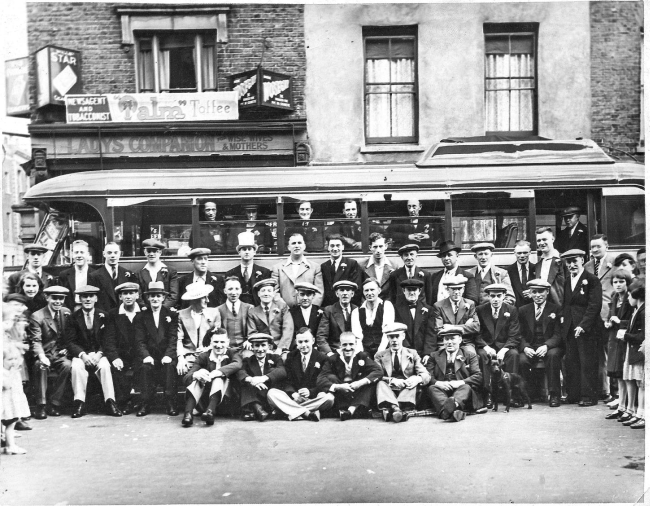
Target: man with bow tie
x=541, y=341
x=35, y=254
x=455, y=379
x=581, y=329
x=485, y=274
x=336, y=318
x=79, y=274
x=46, y=335
x=156, y=270
x=409, y=255
x=418, y=317
x=305, y=313
x=402, y=372
x=338, y=268
x=300, y=397
x=350, y=375
x=248, y=272
x=234, y=317
x=312, y=231
x=208, y=380
x=271, y=317
x=416, y=230
x=297, y=269
x=201, y=274
x=155, y=334
x=110, y=275
x=448, y=255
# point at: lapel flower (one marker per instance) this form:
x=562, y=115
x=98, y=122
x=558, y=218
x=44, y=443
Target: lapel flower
x=390, y=270
x=585, y=282
x=313, y=229
x=362, y=363
x=172, y=309
x=344, y=265
x=101, y=315
x=562, y=319
x=409, y=358
x=270, y=362
x=100, y=328
x=421, y=274
x=320, y=312
x=163, y=272
x=506, y=314
x=168, y=319
x=552, y=316
x=127, y=274
x=49, y=277
x=424, y=310
x=207, y=319
x=609, y=265
x=213, y=278
x=145, y=308
x=317, y=365
x=258, y=273
x=460, y=358
x=582, y=292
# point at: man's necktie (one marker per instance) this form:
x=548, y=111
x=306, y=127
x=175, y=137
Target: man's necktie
x=58, y=322
x=114, y=273
x=89, y=321
x=247, y=275
x=266, y=312
x=524, y=275
x=455, y=306
x=345, y=313
x=396, y=367
x=495, y=314
x=538, y=311
x=234, y=311
x=304, y=363
x=596, y=265
x=333, y=270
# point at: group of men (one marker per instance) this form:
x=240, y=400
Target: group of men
x=281, y=340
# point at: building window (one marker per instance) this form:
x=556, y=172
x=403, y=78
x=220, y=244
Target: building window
x=176, y=62
x=390, y=84
x=510, y=78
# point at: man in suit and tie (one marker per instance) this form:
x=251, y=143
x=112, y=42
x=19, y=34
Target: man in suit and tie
x=409, y=255
x=402, y=372
x=155, y=335
x=312, y=231
x=234, y=317
x=336, y=318
x=35, y=254
x=379, y=266
x=305, y=313
x=300, y=397
x=485, y=274
x=549, y=267
x=212, y=235
x=448, y=254
x=581, y=330
x=338, y=268
x=248, y=272
x=418, y=317
x=456, y=313
x=541, y=341
x=416, y=230
x=208, y=381
x=349, y=231
x=79, y=274
x=455, y=379
x=201, y=274
x=156, y=270
x=45, y=333
x=271, y=317
x=84, y=342
x=110, y=275
x=351, y=376
x=575, y=235
x=521, y=272
x=258, y=374
x=296, y=269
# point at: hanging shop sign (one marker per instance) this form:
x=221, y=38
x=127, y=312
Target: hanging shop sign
x=17, y=86
x=263, y=88
x=58, y=73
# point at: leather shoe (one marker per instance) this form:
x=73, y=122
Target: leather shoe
x=22, y=425
x=79, y=409
x=638, y=425
x=247, y=417
x=488, y=402
x=614, y=415
x=554, y=402
x=458, y=415
x=187, y=420
x=112, y=409
x=208, y=417
x=398, y=416
x=127, y=408
x=631, y=421
x=39, y=412
x=260, y=413
x=53, y=411
x=448, y=408
x=624, y=417
x=481, y=411
x=171, y=408
x=143, y=411
x=606, y=398
x=345, y=415
x=386, y=415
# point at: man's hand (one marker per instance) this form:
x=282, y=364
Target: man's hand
x=542, y=351
x=447, y=326
x=579, y=331
x=216, y=374
x=412, y=382
x=118, y=364
x=529, y=352
x=490, y=351
x=87, y=359
x=63, y=353
x=148, y=360
x=399, y=383
x=425, y=359
x=526, y=294
x=45, y=362
x=166, y=360
x=181, y=366
x=304, y=392
x=202, y=375
x=456, y=383
x=246, y=346
x=343, y=387
x=444, y=385
x=620, y=334
x=501, y=354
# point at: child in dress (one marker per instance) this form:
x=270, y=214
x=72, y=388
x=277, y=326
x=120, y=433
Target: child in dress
x=14, y=402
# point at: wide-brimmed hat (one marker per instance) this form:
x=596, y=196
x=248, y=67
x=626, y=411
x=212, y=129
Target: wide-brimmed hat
x=156, y=287
x=448, y=246
x=195, y=291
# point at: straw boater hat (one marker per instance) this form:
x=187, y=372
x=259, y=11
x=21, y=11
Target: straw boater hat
x=195, y=291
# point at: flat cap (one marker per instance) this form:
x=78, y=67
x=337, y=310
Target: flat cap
x=38, y=248
x=265, y=282
x=394, y=328
x=568, y=211
x=128, y=286
x=455, y=281
x=538, y=283
x=259, y=337
x=306, y=287
x=450, y=333
x=573, y=253
x=408, y=247
x=481, y=246
x=87, y=290
x=344, y=283
x=412, y=283
x=196, y=252
x=56, y=290
x=194, y=291
x=153, y=243
x=496, y=287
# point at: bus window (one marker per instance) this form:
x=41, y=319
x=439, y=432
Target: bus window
x=549, y=205
x=625, y=218
x=404, y=220
x=497, y=217
x=255, y=215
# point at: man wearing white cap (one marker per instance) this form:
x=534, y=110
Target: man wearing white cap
x=35, y=254
x=485, y=274
x=248, y=272
x=271, y=317
x=156, y=270
x=201, y=274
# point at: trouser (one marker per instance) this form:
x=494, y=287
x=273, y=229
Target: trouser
x=250, y=394
x=462, y=395
x=218, y=385
x=79, y=375
x=279, y=399
x=62, y=366
x=510, y=364
x=360, y=397
x=395, y=397
x=552, y=365
x=123, y=383
x=603, y=379
x=581, y=367
x=153, y=375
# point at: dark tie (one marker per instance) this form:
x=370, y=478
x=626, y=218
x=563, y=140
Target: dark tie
x=59, y=323
x=596, y=265
x=114, y=273
x=234, y=311
x=397, y=370
x=266, y=312
x=333, y=270
x=524, y=275
x=304, y=363
x=345, y=314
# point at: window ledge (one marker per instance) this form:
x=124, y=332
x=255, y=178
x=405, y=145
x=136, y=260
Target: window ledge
x=392, y=148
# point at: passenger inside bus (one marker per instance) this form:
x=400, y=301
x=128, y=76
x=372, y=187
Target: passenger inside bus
x=312, y=231
x=213, y=235
x=423, y=231
x=253, y=224
x=349, y=230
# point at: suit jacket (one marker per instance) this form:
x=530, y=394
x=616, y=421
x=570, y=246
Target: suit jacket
x=207, y=233
x=152, y=341
x=309, y=272
x=67, y=279
x=119, y=338
x=348, y=270
x=504, y=333
x=230, y=365
x=466, y=367
x=399, y=232
x=313, y=234
x=280, y=326
x=515, y=279
x=551, y=326
x=273, y=368
x=605, y=275
x=315, y=316
x=261, y=231
x=579, y=239
x=350, y=231
x=420, y=332
x=297, y=379
x=43, y=335
x=466, y=318
x=471, y=291
x=582, y=306
x=410, y=363
x=79, y=339
x=168, y=276
x=369, y=272
x=499, y=275
x=557, y=274
x=635, y=336
x=330, y=328
x=107, y=299
x=215, y=298
x=229, y=322
x=258, y=273
x=395, y=292
x=189, y=339
x=363, y=367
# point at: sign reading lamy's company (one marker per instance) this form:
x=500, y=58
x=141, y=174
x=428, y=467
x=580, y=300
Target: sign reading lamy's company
x=151, y=107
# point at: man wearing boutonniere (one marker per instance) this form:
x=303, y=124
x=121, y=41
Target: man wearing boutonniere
x=456, y=313
x=338, y=268
x=418, y=317
x=486, y=273
x=337, y=318
x=201, y=274
x=234, y=317
x=110, y=275
x=305, y=313
x=409, y=255
x=379, y=266
x=271, y=317
x=549, y=266
x=248, y=272
x=156, y=270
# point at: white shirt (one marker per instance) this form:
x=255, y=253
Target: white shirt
x=540, y=308
x=304, y=359
x=130, y=314
x=306, y=313
x=484, y=270
x=336, y=262
x=574, y=279
x=197, y=318
x=153, y=270
x=452, y=357
x=90, y=314
x=156, y=317
x=199, y=278
x=234, y=308
x=80, y=280
x=546, y=264
x=389, y=316
x=443, y=291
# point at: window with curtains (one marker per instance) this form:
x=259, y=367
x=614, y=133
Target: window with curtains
x=390, y=84
x=176, y=62
x=510, y=78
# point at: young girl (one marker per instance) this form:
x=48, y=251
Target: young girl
x=633, y=373
x=620, y=312
x=14, y=402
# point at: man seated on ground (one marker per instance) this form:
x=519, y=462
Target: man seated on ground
x=259, y=373
x=305, y=313
x=234, y=317
x=337, y=318
x=300, y=397
x=271, y=317
x=208, y=380
x=455, y=379
x=350, y=376
x=418, y=316
x=402, y=372
x=456, y=312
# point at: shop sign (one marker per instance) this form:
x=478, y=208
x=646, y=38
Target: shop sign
x=263, y=88
x=58, y=73
x=17, y=86
x=151, y=107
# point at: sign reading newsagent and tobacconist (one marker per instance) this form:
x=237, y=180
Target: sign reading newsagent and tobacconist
x=151, y=107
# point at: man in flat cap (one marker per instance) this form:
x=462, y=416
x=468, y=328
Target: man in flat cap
x=110, y=275
x=156, y=333
x=409, y=255
x=156, y=270
x=234, y=316
x=575, y=235
x=338, y=268
x=46, y=336
x=419, y=230
x=84, y=342
x=260, y=231
x=212, y=234
x=248, y=272
x=259, y=373
x=549, y=266
x=455, y=379
x=271, y=317
x=35, y=254
x=402, y=372
x=78, y=274
x=521, y=272
x=456, y=313
x=418, y=317
x=337, y=318
x=305, y=313
x=541, y=341
x=201, y=274
x=448, y=254
x=581, y=329
x=485, y=274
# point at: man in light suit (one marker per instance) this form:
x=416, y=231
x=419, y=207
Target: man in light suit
x=338, y=268
x=305, y=314
x=456, y=313
x=77, y=275
x=485, y=274
x=295, y=269
x=575, y=235
x=402, y=372
x=234, y=317
x=201, y=274
x=448, y=254
x=418, y=317
x=409, y=255
x=271, y=317
x=110, y=275
x=379, y=266
x=336, y=319
x=248, y=272
x=155, y=270
x=521, y=272
x=549, y=267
